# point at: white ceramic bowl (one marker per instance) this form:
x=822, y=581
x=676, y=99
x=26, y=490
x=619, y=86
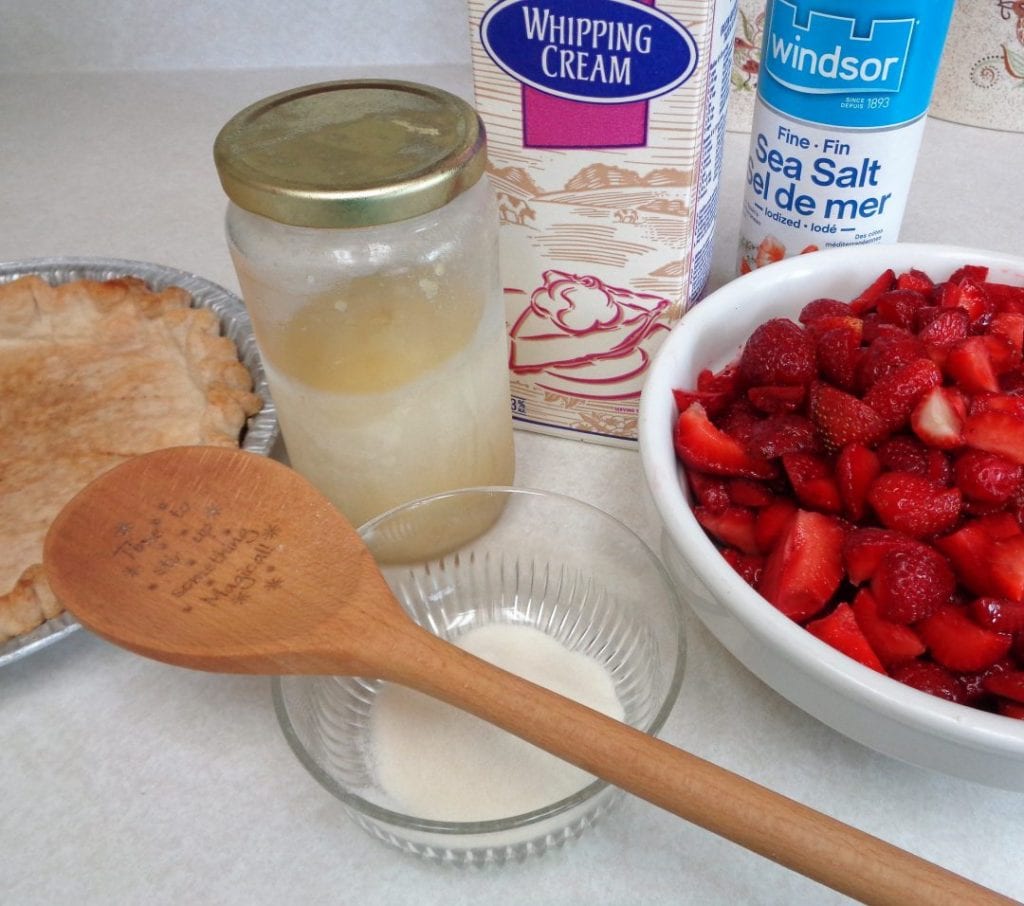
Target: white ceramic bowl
x=874, y=710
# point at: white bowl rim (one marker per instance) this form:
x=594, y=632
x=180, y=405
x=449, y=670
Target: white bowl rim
x=960, y=723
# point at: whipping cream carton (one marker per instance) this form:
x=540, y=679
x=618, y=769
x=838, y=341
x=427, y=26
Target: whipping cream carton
x=605, y=123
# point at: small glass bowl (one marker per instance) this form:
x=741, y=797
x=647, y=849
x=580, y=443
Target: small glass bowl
x=533, y=558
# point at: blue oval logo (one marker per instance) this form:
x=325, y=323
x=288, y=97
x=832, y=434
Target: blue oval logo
x=603, y=52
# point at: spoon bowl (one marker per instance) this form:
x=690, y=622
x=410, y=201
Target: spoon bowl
x=276, y=581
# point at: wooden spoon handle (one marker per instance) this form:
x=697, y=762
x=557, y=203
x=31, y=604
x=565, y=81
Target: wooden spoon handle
x=809, y=842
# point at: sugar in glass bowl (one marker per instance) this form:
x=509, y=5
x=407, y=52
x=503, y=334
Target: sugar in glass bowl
x=871, y=708
x=483, y=557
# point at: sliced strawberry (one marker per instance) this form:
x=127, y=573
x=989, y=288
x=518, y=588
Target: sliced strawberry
x=987, y=477
x=748, y=492
x=884, y=282
x=749, y=566
x=967, y=294
x=915, y=280
x=934, y=679
x=886, y=354
x=733, y=526
x=710, y=492
x=812, y=481
x=894, y=643
x=857, y=467
x=713, y=403
x=912, y=582
x=841, y=418
x=702, y=446
x=804, y=570
x=1006, y=566
x=938, y=418
x=899, y=307
x=894, y=396
x=973, y=682
x=999, y=614
x=976, y=272
x=839, y=355
x=944, y=328
x=776, y=435
x=725, y=380
x=1010, y=326
x=969, y=365
x=772, y=522
x=841, y=630
x=997, y=432
x=960, y=644
x=818, y=309
x=1008, y=684
x=772, y=398
x=903, y=453
x=863, y=549
x=777, y=352
x=1010, y=709
x=913, y=504
x=1006, y=297
x=968, y=550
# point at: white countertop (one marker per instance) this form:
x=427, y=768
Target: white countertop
x=127, y=781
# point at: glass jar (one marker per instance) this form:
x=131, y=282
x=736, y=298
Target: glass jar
x=365, y=241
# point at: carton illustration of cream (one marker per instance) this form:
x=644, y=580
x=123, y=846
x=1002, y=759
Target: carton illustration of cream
x=605, y=123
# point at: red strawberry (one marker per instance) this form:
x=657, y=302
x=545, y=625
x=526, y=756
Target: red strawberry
x=976, y=272
x=702, y=446
x=812, y=481
x=911, y=583
x=824, y=308
x=960, y=644
x=805, y=568
x=987, y=477
x=749, y=566
x=998, y=614
x=938, y=418
x=1010, y=326
x=931, y=678
x=969, y=366
x=967, y=294
x=772, y=398
x=778, y=352
x=943, y=329
x=884, y=282
x=1006, y=568
x=892, y=642
x=841, y=630
x=969, y=549
x=894, y=396
x=772, y=522
x=1007, y=684
x=1010, y=709
x=903, y=453
x=899, y=306
x=915, y=280
x=725, y=380
x=997, y=432
x=913, y=504
x=856, y=468
x=748, y=492
x=709, y=492
x=1006, y=297
x=888, y=353
x=733, y=526
x=841, y=418
x=777, y=435
x=839, y=354
x=863, y=549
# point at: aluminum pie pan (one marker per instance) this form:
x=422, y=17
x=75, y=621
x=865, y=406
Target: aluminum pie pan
x=261, y=430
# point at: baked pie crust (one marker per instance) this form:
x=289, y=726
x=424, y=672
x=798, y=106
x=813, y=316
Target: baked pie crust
x=91, y=374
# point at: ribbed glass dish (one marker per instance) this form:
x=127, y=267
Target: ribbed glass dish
x=498, y=555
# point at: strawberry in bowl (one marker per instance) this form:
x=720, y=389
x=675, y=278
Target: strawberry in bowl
x=835, y=446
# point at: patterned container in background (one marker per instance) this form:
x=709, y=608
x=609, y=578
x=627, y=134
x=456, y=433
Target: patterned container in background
x=981, y=79
x=746, y=61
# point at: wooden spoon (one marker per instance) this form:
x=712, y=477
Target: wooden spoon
x=221, y=560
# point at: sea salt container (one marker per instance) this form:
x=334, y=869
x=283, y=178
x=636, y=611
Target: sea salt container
x=364, y=235
x=606, y=123
x=842, y=94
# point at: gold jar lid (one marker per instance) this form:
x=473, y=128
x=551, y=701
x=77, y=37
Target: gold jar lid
x=350, y=154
